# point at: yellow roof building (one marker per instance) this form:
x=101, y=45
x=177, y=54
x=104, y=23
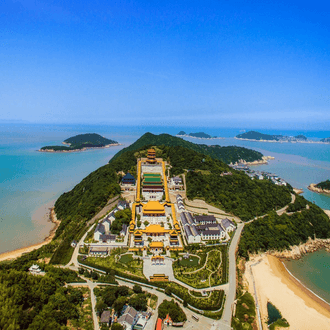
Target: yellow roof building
x=155, y=229
x=153, y=207
x=158, y=245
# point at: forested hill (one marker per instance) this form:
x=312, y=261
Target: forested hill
x=228, y=155
x=253, y=135
x=201, y=135
x=324, y=185
x=90, y=138
x=81, y=141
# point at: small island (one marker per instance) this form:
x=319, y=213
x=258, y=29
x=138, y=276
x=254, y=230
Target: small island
x=326, y=140
x=320, y=188
x=81, y=142
x=199, y=135
x=261, y=137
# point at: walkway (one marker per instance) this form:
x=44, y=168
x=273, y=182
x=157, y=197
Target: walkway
x=227, y=312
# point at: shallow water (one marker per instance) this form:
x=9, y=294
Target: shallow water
x=313, y=270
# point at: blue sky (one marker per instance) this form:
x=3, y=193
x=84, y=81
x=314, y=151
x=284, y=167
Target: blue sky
x=184, y=63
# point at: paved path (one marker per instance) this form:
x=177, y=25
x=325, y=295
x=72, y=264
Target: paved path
x=225, y=322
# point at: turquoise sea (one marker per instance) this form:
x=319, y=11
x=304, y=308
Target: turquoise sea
x=30, y=179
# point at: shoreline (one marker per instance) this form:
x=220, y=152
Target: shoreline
x=9, y=255
x=302, y=308
x=79, y=150
x=298, y=251
x=310, y=298
x=312, y=187
x=263, y=161
x=274, y=141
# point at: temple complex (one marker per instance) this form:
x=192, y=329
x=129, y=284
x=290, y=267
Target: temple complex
x=157, y=229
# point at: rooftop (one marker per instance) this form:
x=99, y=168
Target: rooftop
x=156, y=245
x=155, y=229
x=153, y=206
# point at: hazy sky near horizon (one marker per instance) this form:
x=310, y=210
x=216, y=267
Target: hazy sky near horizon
x=184, y=63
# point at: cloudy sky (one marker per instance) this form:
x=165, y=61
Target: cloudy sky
x=220, y=63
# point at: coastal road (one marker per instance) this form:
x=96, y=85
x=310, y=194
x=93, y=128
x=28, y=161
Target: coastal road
x=225, y=322
x=74, y=258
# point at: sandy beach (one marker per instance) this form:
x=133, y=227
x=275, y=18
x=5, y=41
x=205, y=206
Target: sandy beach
x=18, y=252
x=301, y=308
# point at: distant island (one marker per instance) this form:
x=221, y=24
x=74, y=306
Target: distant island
x=199, y=135
x=81, y=142
x=321, y=188
x=326, y=140
x=257, y=136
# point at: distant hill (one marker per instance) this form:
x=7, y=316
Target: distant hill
x=228, y=155
x=326, y=140
x=81, y=141
x=89, y=138
x=200, y=135
x=301, y=137
x=253, y=135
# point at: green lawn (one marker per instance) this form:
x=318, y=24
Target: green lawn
x=191, y=261
x=126, y=258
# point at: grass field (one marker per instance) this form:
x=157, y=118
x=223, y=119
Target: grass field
x=126, y=258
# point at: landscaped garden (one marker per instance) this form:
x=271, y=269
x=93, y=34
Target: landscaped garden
x=209, y=271
x=212, y=304
x=126, y=258
x=126, y=264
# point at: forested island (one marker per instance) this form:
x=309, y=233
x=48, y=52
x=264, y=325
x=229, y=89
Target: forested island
x=199, y=135
x=81, y=142
x=257, y=136
x=321, y=188
x=326, y=140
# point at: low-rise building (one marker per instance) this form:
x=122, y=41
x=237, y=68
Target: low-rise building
x=98, y=251
x=128, y=179
x=106, y=318
x=99, y=230
x=35, y=270
x=205, y=219
x=228, y=225
x=129, y=318
x=211, y=232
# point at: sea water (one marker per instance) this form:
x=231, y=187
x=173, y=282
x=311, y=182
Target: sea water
x=313, y=270
x=29, y=179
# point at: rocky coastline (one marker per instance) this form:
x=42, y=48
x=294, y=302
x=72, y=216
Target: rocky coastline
x=312, y=187
x=298, y=251
x=262, y=161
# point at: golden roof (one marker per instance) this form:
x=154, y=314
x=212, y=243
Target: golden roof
x=173, y=232
x=156, y=245
x=153, y=206
x=155, y=229
x=157, y=257
x=137, y=233
x=151, y=150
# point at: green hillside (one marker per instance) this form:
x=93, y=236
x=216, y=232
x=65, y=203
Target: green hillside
x=228, y=155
